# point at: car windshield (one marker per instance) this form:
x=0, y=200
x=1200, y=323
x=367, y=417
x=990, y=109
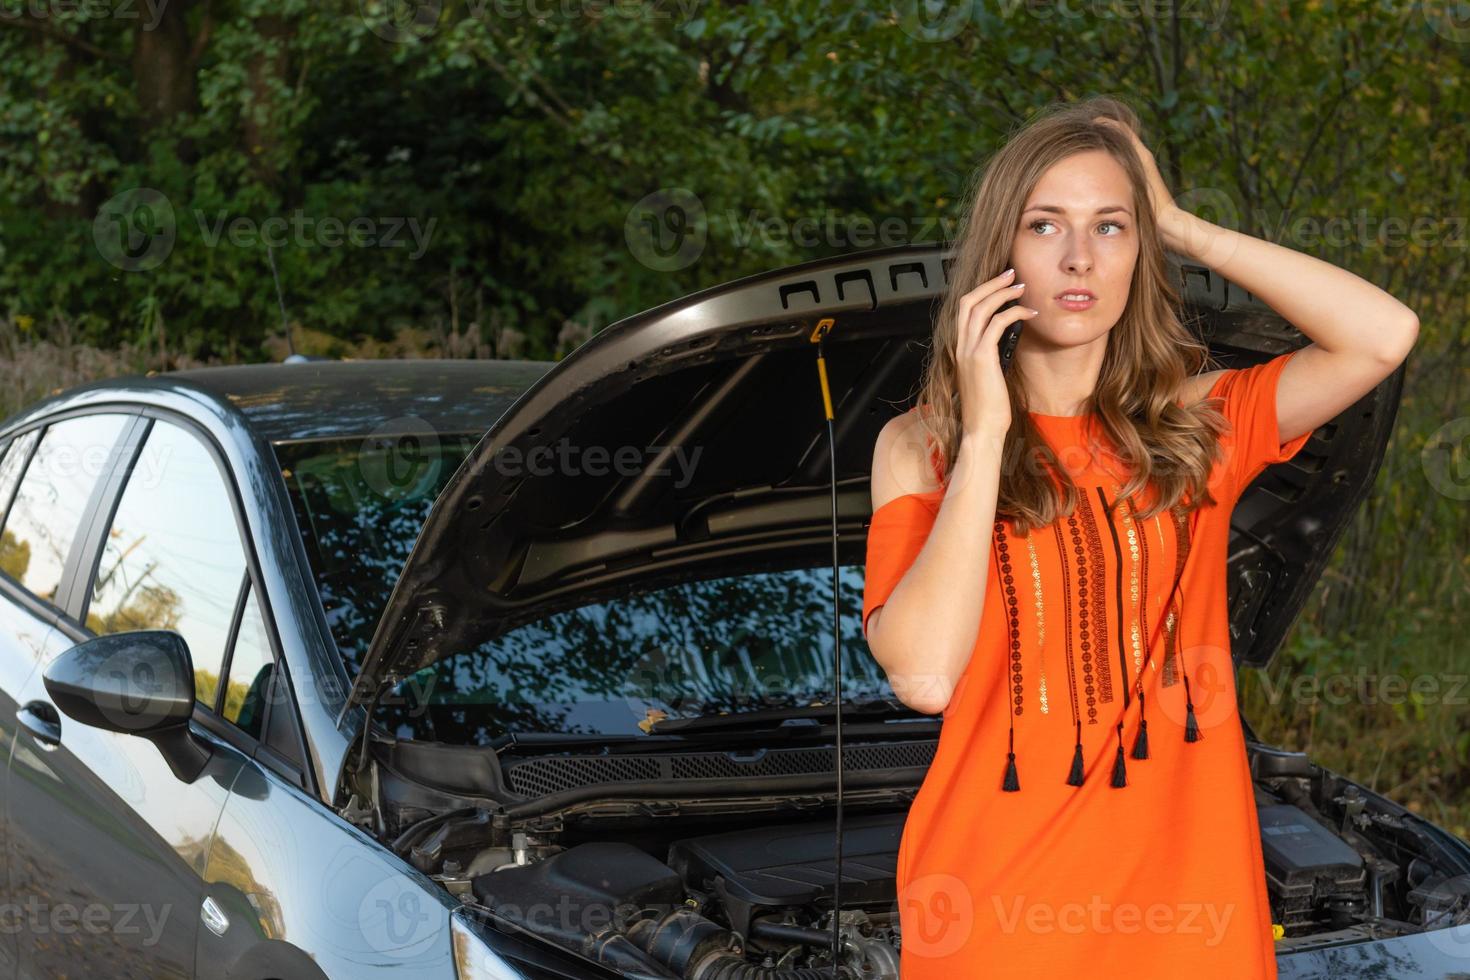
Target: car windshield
x=612, y=667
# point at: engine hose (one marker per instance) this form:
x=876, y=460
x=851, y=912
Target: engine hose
x=698, y=949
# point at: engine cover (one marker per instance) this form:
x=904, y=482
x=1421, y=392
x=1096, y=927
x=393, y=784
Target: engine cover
x=794, y=864
x=1306, y=864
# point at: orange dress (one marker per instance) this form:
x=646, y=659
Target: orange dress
x=1084, y=629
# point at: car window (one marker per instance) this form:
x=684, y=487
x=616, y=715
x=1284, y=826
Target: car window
x=359, y=504
x=172, y=558
x=10, y=467
x=43, y=520
x=251, y=665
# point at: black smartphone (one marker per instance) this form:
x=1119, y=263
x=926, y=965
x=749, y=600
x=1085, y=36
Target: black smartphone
x=1009, y=338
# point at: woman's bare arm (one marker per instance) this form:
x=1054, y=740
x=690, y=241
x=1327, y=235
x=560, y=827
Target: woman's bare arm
x=1360, y=334
x=923, y=634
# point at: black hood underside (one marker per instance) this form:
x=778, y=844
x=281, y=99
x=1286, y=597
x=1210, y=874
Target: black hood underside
x=691, y=440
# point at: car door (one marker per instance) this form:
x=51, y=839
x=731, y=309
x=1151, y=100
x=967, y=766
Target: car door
x=260, y=904
x=50, y=489
x=104, y=838
x=24, y=628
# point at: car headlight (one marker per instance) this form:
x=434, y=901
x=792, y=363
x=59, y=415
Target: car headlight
x=484, y=952
x=473, y=958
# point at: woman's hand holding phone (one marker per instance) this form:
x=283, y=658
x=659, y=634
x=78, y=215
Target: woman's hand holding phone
x=985, y=313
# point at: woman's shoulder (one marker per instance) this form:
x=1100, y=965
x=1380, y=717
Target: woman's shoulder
x=907, y=459
x=1199, y=386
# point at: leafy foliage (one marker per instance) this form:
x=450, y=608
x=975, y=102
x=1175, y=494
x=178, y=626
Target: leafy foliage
x=522, y=138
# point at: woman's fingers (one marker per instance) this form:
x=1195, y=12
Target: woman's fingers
x=978, y=312
x=990, y=336
x=969, y=331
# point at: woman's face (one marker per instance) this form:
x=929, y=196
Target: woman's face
x=1077, y=232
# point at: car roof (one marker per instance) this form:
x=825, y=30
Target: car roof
x=322, y=399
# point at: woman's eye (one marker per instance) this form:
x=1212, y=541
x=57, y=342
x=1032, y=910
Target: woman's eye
x=1035, y=225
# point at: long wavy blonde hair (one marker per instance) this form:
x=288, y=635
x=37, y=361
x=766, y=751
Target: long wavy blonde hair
x=1149, y=352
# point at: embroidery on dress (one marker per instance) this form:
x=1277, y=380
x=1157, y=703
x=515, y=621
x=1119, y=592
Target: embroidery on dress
x=1013, y=617
x=1067, y=615
x=1171, y=624
x=1084, y=601
x=1042, y=698
x=1099, y=600
x=1138, y=548
x=1109, y=510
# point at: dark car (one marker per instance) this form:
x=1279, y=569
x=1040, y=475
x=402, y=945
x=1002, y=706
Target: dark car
x=506, y=669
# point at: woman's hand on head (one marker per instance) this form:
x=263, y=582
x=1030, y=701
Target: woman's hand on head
x=985, y=403
x=1166, y=212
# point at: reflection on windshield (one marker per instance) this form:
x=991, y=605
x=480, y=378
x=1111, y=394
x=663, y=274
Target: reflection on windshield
x=726, y=644
x=733, y=643
x=359, y=504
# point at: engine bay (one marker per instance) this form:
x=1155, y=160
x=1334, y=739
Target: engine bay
x=726, y=888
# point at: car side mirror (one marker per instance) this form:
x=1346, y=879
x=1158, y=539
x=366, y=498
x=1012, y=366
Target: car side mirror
x=135, y=683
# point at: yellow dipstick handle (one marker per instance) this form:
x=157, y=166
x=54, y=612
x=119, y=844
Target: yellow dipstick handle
x=824, y=325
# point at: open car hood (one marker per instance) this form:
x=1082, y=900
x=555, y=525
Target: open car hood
x=691, y=439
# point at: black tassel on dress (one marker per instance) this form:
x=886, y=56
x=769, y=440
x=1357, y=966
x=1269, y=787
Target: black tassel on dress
x=1012, y=781
x=1140, y=741
x=1075, y=778
x=1120, y=775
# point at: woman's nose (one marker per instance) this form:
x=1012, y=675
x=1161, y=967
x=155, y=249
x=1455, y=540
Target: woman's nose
x=1078, y=260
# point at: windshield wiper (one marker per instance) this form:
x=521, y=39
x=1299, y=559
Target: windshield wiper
x=868, y=710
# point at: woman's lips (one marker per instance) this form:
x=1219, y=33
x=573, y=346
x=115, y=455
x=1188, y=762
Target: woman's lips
x=1074, y=304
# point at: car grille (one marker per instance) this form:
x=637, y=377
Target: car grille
x=542, y=777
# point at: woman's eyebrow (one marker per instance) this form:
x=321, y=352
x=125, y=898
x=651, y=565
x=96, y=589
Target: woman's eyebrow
x=1056, y=209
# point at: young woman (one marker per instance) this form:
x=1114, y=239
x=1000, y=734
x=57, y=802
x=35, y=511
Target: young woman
x=1046, y=566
